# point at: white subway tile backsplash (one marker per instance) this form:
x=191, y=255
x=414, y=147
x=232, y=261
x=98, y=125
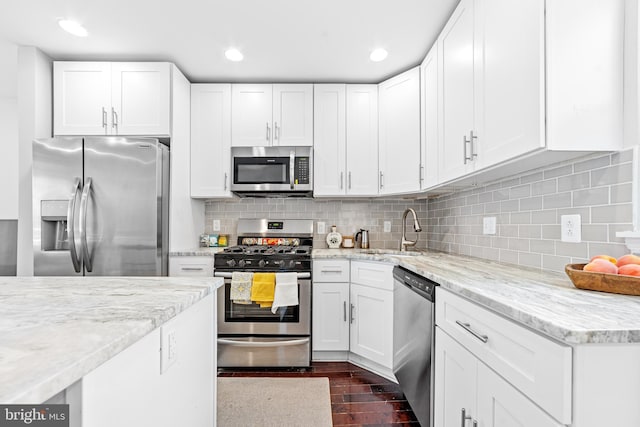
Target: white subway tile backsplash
x=597, y=187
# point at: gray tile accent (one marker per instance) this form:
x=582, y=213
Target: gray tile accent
x=597, y=187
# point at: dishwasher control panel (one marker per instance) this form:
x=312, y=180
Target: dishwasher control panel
x=415, y=281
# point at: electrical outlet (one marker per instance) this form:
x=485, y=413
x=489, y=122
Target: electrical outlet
x=216, y=225
x=571, y=228
x=322, y=228
x=387, y=226
x=489, y=225
x=168, y=349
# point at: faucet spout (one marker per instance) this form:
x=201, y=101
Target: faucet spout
x=416, y=227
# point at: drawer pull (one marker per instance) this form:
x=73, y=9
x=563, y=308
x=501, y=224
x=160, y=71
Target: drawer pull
x=331, y=271
x=467, y=327
x=192, y=268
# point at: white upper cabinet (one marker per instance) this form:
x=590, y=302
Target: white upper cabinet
x=329, y=138
x=456, y=50
x=362, y=140
x=527, y=77
x=251, y=118
x=271, y=115
x=210, y=140
x=399, y=139
x=120, y=98
x=430, y=96
x=345, y=140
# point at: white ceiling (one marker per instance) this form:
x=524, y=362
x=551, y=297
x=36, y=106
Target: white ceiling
x=282, y=40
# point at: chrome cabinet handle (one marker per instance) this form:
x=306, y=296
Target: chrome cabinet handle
x=349, y=180
x=341, y=180
x=331, y=271
x=71, y=219
x=268, y=132
x=276, y=132
x=352, y=309
x=381, y=180
x=114, y=119
x=84, y=201
x=225, y=181
x=421, y=173
x=471, y=139
x=465, y=141
x=464, y=418
x=344, y=310
x=104, y=119
x=467, y=327
x=191, y=268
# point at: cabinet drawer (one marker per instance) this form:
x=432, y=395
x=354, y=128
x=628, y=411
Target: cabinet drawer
x=374, y=274
x=193, y=266
x=331, y=270
x=537, y=366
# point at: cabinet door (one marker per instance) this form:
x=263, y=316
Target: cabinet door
x=251, y=121
x=372, y=324
x=430, y=114
x=362, y=140
x=81, y=98
x=509, y=79
x=141, y=97
x=330, y=317
x=455, y=382
x=456, y=52
x=293, y=115
x=329, y=135
x=501, y=405
x=210, y=140
x=400, y=133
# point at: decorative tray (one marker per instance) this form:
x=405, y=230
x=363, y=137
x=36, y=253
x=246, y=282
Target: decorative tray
x=603, y=282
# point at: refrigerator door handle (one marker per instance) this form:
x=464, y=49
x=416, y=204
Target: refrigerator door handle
x=71, y=220
x=83, y=224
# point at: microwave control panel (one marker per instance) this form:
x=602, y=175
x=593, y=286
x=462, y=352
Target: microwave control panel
x=301, y=173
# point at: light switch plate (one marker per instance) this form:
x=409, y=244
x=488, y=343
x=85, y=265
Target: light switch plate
x=168, y=349
x=322, y=228
x=387, y=226
x=571, y=228
x=216, y=225
x=489, y=225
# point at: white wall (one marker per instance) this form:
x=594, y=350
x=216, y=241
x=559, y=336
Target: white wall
x=8, y=130
x=186, y=215
x=35, y=71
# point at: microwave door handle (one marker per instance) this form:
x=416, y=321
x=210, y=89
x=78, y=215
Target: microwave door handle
x=292, y=165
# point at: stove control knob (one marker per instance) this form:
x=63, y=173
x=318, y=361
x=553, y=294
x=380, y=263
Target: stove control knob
x=280, y=263
x=261, y=263
x=292, y=264
x=231, y=263
x=241, y=263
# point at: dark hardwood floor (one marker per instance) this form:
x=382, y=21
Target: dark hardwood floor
x=358, y=397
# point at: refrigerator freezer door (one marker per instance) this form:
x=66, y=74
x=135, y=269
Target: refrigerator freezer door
x=57, y=168
x=122, y=207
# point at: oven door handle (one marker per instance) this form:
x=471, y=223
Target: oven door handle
x=263, y=343
x=227, y=275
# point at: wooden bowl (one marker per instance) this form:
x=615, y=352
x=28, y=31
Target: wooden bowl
x=603, y=282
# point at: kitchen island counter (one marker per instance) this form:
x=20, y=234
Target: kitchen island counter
x=544, y=301
x=55, y=330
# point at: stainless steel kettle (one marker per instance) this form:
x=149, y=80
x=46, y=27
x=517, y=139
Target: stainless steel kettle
x=364, y=238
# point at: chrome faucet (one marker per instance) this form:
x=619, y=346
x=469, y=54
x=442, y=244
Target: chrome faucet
x=416, y=227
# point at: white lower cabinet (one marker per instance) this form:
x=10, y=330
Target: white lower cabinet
x=191, y=266
x=353, y=313
x=467, y=388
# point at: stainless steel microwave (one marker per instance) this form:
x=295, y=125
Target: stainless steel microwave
x=272, y=171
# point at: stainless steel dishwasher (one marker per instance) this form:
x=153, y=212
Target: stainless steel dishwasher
x=413, y=340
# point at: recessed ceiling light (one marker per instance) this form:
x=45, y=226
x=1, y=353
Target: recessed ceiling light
x=72, y=27
x=234, y=55
x=378, y=55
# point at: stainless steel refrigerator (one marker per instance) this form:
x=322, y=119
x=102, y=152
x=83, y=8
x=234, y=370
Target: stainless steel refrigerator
x=100, y=206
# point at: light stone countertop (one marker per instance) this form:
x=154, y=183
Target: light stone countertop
x=198, y=251
x=544, y=301
x=55, y=330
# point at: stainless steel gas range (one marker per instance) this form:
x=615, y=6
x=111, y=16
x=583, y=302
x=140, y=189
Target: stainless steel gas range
x=250, y=335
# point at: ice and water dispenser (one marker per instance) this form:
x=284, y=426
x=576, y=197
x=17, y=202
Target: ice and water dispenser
x=53, y=217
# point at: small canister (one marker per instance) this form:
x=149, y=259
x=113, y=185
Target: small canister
x=204, y=240
x=213, y=240
x=223, y=240
x=347, y=242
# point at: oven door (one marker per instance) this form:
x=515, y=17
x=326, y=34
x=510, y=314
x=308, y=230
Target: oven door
x=251, y=319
